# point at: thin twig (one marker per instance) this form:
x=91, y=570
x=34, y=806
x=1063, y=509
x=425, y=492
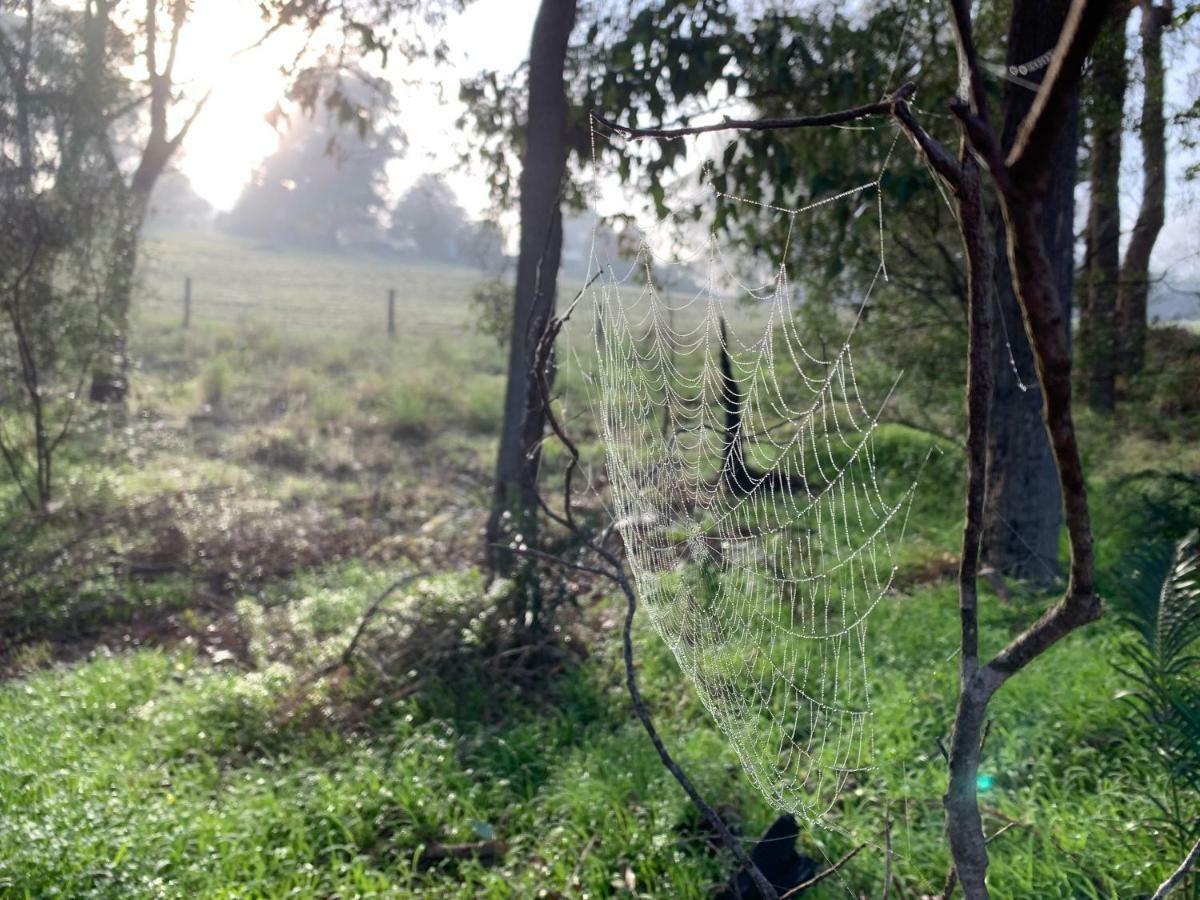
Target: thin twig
x=887, y=852
x=348, y=653
x=821, y=876
x=1179, y=874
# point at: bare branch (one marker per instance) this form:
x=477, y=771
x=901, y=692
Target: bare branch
x=943, y=163
x=189, y=121
x=368, y=615
x=159, y=87
x=1045, y=323
x=970, y=82
x=970, y=104
x=559, y=561
x=179, y=14
x=882, y=108
x=976, y=241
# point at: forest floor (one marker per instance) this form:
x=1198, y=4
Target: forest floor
x=174, y=719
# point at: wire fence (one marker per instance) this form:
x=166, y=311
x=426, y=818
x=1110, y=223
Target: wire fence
x=318, y=292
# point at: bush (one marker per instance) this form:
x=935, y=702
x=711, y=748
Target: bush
x=1164, y=398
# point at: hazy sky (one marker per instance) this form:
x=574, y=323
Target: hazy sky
x=231, y=136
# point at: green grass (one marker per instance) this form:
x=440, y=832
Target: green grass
x=166, y=770
x=153, y=774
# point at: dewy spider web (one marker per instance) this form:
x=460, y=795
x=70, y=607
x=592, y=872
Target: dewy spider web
x=744, y=485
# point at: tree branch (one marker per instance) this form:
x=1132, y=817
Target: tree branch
x=882, y=108
x=189, y=121
x=970, y=83
x=1179, y=874
x=975, y=239
x=348, y=654
x=941, y=160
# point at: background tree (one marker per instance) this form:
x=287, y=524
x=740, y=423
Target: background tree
x=158, y=32
x=1134, y=287
x=176, y=205
x=429, y=219
x=60, y=215
x=325, y=183
x=136, y=45
x=1102, y=259
x=1113, y=317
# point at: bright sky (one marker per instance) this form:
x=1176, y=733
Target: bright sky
x=231, y=137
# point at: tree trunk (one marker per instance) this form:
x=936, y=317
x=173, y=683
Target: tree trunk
x=1023, y=512
x=1134, y=283
x=110, y=375
x=1098, y=322
x=513, y=517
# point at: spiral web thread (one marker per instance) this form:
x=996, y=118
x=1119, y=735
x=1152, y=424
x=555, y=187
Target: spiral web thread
x=759, y=546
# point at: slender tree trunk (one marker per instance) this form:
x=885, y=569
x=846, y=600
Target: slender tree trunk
x=110, y=376
x=1134, y=284
x=1023, y=511
x=1098, y=323
x=964, y=825
x=513, y=517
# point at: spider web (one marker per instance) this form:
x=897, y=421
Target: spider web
x=743, y=482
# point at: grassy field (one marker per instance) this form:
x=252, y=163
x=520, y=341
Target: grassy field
x=174, y=720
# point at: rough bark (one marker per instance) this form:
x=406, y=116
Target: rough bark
x=1023, y=516
x=543, y=166
x=1098, y=316
x=1134, y=285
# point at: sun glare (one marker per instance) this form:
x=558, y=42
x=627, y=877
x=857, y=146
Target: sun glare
x=231, y=136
